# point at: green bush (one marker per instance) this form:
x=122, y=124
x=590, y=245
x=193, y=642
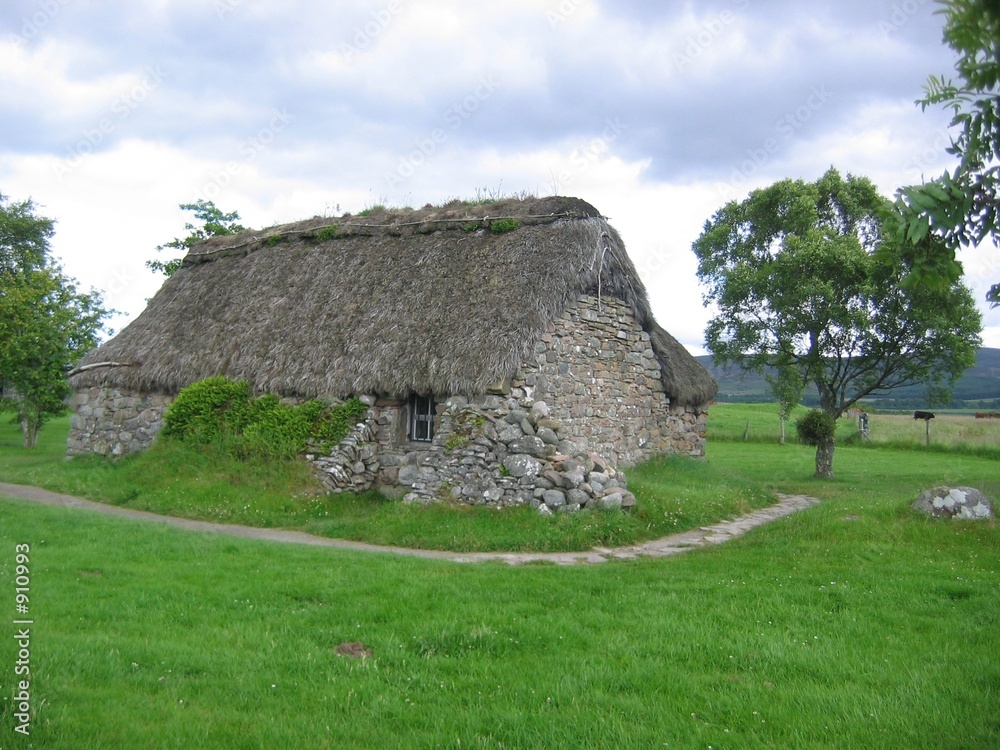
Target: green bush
x=207, y=410
x=816, y=427
x=223, y=411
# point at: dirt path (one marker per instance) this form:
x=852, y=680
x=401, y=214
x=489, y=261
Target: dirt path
x=670, y=545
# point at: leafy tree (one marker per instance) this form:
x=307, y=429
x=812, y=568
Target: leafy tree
x=802, y=287
x=214, y=223
x=960, y=207
x=46, y=323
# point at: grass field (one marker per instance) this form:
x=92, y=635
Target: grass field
x=949, y=431
x=854, y=624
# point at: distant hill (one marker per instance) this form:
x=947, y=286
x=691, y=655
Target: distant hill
x=978, y=388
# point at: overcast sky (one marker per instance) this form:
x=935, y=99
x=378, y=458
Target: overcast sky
x=113, y=113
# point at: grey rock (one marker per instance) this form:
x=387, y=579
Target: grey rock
x=614, y=501
x=579, y=497
x=527, y=428
x=533, y=446
x=493, y=495
x=509, y=433
x=539, y=411
x=520, y=465
x=554, y=498
x=516, y=416
x=408, y=475
x=963, y=503
x=547, y=436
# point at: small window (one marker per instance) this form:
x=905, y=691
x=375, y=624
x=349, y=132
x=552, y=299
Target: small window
x=421, y=418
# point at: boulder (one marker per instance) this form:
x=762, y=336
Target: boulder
x=964, y=503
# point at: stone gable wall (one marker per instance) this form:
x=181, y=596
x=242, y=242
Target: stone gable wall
x=597, y=372
x=555, y=436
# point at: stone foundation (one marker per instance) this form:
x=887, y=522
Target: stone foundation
x=110, y=422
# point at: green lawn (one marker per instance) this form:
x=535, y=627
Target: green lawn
x=853, y=624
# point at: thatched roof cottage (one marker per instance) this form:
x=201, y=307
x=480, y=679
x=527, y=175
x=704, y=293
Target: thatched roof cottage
x=425, y=314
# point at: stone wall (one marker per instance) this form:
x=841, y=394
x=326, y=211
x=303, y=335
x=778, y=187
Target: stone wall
x=110, y=422
x=597, y=371
x=554, y=436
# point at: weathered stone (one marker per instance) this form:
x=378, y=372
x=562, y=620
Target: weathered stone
x=516, y=416
x=963, y=503
x=577, y=496
x=492, y=494
x=408, y=474
x=548, y=436
x=533, y=446
x=521, y=465
x=614, y=501
x=598, y=477
x=554, y=498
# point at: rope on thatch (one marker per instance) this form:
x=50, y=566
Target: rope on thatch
x=95, y=365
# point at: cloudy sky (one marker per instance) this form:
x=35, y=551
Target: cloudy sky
x=657, y=112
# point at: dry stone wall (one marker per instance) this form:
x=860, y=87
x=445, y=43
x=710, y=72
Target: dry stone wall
x=110, y=422
x=597, y=370
x=590, y=401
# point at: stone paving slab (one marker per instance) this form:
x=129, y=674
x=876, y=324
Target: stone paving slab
x=670, y=545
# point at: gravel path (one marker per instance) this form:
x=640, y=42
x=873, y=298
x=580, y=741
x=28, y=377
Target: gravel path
x=670, y=545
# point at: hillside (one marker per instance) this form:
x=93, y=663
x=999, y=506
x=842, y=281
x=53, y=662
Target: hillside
x=978, y=388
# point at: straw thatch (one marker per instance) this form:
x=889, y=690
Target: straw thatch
x=428, y=301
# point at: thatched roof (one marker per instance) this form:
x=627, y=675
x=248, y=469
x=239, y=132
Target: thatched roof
x=428, y=301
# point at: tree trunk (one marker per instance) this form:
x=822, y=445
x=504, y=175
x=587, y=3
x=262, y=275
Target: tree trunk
x=30, y=428
x=783, y=419
x=824, y=460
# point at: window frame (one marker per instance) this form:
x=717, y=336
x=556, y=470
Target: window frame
x=420, y=418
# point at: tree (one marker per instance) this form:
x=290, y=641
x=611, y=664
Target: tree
x=214, y=223
x=46, y=323
x=961, y=207
x=786, y=386
x=803, y=285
